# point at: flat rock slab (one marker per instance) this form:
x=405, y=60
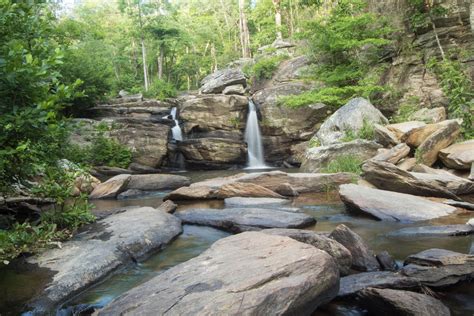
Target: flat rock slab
x=242, y=219
x=396, y=302
x=245, y=202
x=105, y=246
x=340, y=254
x=156, y=182
x=391, y=206
x=434, y=231
x=246, y=274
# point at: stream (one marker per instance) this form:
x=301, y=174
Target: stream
x=18, y=284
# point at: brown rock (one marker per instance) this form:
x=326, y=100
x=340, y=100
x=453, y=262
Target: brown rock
x=384, y=136
x=407, y=164
x=111, y=188
x=459, y=155
x=433, y=115
x=245, y=190
x=191, y=193
x=445, y=136
x=286, y=189
x=168, y=206
x=418, y=135
x=400, y=129
x=393, y=155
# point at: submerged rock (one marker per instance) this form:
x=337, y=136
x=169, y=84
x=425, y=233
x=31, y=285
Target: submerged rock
x=243, y=219
x=363, y=259
x=391, y=206
x=396, y=302
x=434, y=231
x=349, y=117
x=340, y=254
x=316, y=159
x=245, y=202
x=100, y=250
x=249, y=273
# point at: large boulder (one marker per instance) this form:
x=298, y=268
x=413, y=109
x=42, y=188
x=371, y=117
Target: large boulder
x=242, y=219
x=156, y=182
x=363, y=258
x=100, y=250
x=433, y=115
x=274, y=275
x=459, y=155
x=111, y=188
x=396, y=302
x=401, y=129
x=452, y=183
x=316, y=159
x=217, y=81
x=212, y=153
x=206, y=113
x=340, y=254
x=391, y=206
x=349, y=117
x=442, y=138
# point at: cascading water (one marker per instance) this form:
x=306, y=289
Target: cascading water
x=176, y=130
x=254, y=140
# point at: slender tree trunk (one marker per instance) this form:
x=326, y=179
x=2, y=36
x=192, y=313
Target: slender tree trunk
x=277, y=6
x=160, y=61
x=214, y=58
x=145, y=72
x=292, y=19
x=435, y=31
x=244, y=31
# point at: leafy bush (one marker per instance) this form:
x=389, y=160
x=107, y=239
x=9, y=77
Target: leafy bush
x=264, y=67
x=160, y=90
x=345, y=163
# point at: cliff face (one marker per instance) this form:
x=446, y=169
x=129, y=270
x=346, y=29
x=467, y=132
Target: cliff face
x=408, y=72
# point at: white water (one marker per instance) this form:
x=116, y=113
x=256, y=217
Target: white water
x=176, y=130
x=254, y=140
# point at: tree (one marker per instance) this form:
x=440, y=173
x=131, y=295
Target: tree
x=277, y=6
x=244, y=31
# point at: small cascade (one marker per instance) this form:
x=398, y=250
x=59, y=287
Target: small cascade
x=254, y=140
x=176, y=130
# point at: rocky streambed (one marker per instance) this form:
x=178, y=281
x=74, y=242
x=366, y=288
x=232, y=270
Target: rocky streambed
x=343, y=262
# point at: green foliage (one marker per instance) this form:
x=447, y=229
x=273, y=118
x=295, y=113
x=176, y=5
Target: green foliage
x=406, y=110
x=314, y=142
x=422, y=12
x=264, y=67
x=161, y=90
x=344, y=46
x=366, y=132
x=458, y=87
x=344, y=163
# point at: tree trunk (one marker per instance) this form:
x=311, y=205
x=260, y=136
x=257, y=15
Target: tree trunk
x=160, y=61
x=145, y=72
x=277, y=6
x=244, y=31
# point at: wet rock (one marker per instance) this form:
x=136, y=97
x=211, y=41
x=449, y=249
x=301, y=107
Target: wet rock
x=387, y=263
x=464, y=205
x=213, y=153
x=318, y=158
x=434, y=231
x=433, y=115
x=400, y=129
x=459, y=155
x=340, y=254
x=274, y=275
x=191, y=193
x=245, y=190
x=111, y=188
x=243, y=219
x=286, y=189
x=384, y=136
x=392, y=155
x=437, y=141
x=141, y=169
x=407, y=164
x=101, y=249
x=262, y=202
x=390, y=206
x=219, y=80
x=168, y=206
x=157, y=182
x=234, y=89
x=363, y=259
x=349, y=117
x=396, y=302
x=354, y=283
x=131, y=194
x=387, y=176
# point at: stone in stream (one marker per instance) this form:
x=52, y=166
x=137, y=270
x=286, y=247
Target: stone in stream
x=249, y=273
x=316, y=159
x=191, y=193
x=459, y=155
x=111, y=188
x=286, y=189
x=157, y=182
x=464, y=205
x=168, y=207
x=396, y=302
x=434, y=231
x=387, y=176
x=246, y=202
x=454, y=184
x=391, y=206
x=340, y=254
x=102, y=248
x=219, y=80
x=442, y=138
x=387, y=263
x=245, y=190
x=243, y=219
x=349, y=117
x=131, y=194
x=363, y=259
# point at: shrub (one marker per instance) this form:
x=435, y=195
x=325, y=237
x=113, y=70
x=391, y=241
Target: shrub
x=160, y=90
x=366, y=132
x=345, y=163
x=264, y=67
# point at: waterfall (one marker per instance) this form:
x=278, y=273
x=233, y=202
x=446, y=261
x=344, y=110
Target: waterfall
x=176, y=130
x=254, y=140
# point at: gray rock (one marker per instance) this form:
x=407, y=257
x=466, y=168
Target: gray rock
x=437, y=141
x=464, y=205
x=392, y=155
x=452, y=183
x=387, y=176
x=217, y=81
x=391, y=206
x=249, y=273
x=286, y=189
x=131, y=194
x=363, y=259
x=407, y=164
x=260, y=202
x=396, y=302
x=387, y=263
x=433, y=115
x=434, y=231
x=340, y=254
x=459, y=155
x=384, y=136
x=242, y=219
x=111, y=188
x=318, y=158
x=349, y=117
x=168, y=206
x=157, y=182
x=104, y=247
x=234, y=89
